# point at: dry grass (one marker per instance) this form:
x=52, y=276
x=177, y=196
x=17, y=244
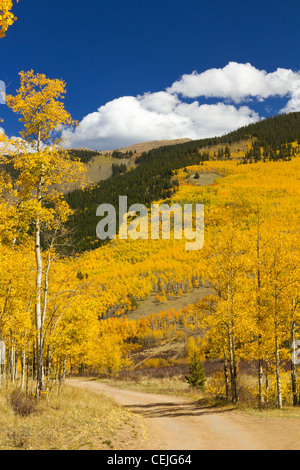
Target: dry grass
x=150, y=305
x=100, y=167
x=289, y=412
x=154, y=144
x=73, y=420
x=166, y=385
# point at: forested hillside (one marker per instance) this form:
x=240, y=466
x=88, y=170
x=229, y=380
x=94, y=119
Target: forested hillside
x=248, y=268
x=153, y=179
x=194, y=292
x=272, y=132
x=150, y=181
x=84, y=155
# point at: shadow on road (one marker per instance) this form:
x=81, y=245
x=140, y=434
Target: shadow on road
x=159, y=410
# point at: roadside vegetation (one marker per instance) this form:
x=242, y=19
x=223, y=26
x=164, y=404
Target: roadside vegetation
x=72, y=419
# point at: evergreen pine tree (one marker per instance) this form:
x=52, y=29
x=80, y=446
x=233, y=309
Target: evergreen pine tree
x=196, y=377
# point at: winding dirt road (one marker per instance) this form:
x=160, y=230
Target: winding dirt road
x=177, y=424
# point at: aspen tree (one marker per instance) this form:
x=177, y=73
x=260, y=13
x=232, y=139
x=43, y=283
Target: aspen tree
x=292, y=300
x=226, y=271
x=258, y=305
x=277, y=283
x=260, y=348
x=45, y=169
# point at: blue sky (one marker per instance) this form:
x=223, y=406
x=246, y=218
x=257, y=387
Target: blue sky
x=140, y=70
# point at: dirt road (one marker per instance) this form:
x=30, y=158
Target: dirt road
x=177, y=424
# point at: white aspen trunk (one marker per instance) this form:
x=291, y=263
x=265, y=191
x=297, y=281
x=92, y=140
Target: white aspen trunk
x=232, y=366
x=231, y=346
x=39, y=276
x=226, y=375
x=2, y=361
x=23, y=363
x=38, y=314
x=258, y=303
x=277, y=356
x=33, y=367
x=12, y=361
x=7, y=365
x=261, y=399
x=267, y=382
x=45, y=303
x=27, y=367
x=65, y=367
x=278, y=381
x=49, y=364
x=293, y=367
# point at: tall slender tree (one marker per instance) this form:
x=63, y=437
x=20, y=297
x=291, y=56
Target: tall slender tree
x=45, y=172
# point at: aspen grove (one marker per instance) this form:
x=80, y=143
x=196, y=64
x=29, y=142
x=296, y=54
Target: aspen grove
x=65, y=310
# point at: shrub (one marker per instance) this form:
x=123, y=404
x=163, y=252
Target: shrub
x=215, y=385
x=154, y=362
x=21, y=404
x=19, y=438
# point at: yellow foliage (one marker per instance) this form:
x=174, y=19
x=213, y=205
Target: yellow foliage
x=191, y=347
x=7, y=18
x=271, y=393
x=254, y=293
x=154, y=362
x=215, y=386
x=38, y=101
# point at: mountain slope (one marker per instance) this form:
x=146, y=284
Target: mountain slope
x=153, y=177
x=146, y=146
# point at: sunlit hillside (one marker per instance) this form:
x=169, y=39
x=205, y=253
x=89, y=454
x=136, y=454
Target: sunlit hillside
x=145, y=304
x=244, y=199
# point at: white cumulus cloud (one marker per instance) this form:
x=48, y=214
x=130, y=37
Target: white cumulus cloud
x=168, y=115
x=236, y=82
x=130, y=120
